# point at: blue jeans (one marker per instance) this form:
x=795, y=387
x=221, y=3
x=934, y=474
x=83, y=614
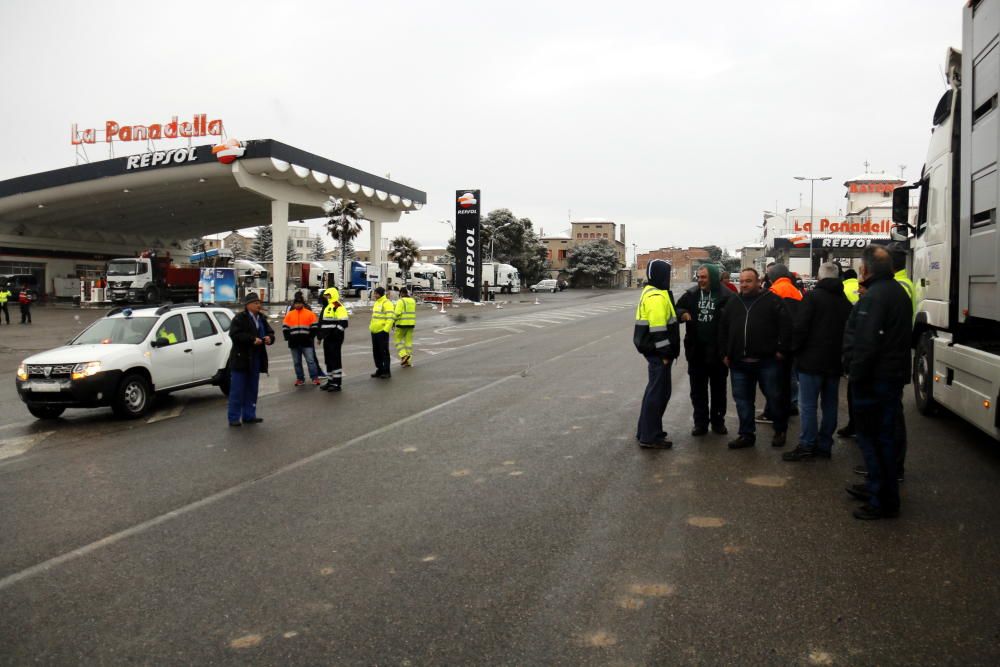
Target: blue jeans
x=654, y=401
x=876, y=411
x=825, y=390
x=745, y=378
x=243, y=393
x=310, y=354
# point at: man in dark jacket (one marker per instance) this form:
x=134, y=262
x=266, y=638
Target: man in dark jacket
x=817, y=338
x=250, y=333
x=877, y=357
x=755, y=333
x=700, y=308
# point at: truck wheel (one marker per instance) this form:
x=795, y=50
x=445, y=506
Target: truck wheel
x=132, y=398
x=152, y=295
x=923, y=376
x=224, y=381
x=46, y=411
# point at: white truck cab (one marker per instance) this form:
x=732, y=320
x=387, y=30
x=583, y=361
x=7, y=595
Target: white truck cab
x=127, y=357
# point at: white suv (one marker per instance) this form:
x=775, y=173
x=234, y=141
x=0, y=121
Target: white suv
x=128, y=356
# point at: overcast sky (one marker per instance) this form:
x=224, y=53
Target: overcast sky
x=682, y=120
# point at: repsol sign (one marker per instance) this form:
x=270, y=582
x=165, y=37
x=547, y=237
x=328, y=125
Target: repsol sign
x=846, y=242
x=173, y=156
x=469, y=259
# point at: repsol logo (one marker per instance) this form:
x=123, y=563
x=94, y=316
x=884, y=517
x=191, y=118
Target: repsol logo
x=175, y=155
x=470, y=257
x=846, y=243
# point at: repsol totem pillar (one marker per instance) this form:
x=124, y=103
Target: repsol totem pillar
x=468, y=257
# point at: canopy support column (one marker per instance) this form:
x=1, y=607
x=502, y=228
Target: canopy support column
x=279, y=239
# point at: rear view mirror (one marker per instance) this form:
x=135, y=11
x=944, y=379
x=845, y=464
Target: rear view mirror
x=900, y=233
x=158, y=342
x=901, y=205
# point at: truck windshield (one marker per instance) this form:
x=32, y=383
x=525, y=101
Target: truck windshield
x=125, y=268
x=116, y=331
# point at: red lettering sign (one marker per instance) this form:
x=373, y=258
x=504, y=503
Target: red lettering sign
x=199, y=126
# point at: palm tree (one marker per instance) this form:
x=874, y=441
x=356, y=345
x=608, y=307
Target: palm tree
x=404, y=251
x=344, y=224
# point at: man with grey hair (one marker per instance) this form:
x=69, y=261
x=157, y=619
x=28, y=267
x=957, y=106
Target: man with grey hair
x=877, y=356
x=817, y=336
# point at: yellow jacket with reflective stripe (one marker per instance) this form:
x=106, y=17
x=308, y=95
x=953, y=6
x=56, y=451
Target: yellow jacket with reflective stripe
x=656, y=328
x=4, y=295
x=851, y=287
x=907, y=284
x=383, y=315
x=332, y=294
x=406, y=312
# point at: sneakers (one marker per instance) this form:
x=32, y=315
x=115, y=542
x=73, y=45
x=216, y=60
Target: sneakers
x=699, y=431
x=859, y=491
x=405, y=362
x=742, y=442
x=800, y=453
x=720, y=429
x=868, y=513
x=662, y=443
x=316, y=381
x=778, y=440
x=299, y=383
x=763, y=418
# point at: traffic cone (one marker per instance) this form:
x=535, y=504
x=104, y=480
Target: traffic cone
x=537, y=302
x=442, y=307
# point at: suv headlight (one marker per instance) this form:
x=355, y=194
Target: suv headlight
x=22, y=372
x=85, y=370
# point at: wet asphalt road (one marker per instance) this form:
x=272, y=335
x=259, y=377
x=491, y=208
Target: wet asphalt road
x=488, y=506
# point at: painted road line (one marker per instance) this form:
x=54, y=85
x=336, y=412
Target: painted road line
x=16, y=446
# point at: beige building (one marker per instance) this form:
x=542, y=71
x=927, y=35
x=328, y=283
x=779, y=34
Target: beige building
x=684, y=261
x=584, y=231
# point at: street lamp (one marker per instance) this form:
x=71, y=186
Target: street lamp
x=812, y=183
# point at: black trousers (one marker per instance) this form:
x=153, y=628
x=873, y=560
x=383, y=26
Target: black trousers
x=332, y=345
x=25, y=313
x=4, y=311
x=706, y=376
x=380, y=351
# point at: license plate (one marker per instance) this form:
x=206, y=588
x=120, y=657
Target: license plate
x=46, y=387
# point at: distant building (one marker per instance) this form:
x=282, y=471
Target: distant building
x=684, y=261
x=584, y=231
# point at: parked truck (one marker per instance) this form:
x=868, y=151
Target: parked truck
x=317, y=276
x=427, y=277
x=150, y=278
x=954, y=242
x=502, y=278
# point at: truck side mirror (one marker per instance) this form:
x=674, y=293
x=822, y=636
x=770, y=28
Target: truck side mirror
x=901, y=205
x=900, y=233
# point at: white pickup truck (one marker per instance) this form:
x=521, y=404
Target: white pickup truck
x=127, y=357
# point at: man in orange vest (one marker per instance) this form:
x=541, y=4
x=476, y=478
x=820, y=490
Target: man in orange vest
x=299, y=328
x=780, y=279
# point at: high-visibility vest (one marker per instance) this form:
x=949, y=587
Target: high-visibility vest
x=4, y=295
x=406, y=312
x=653, y=315
x=784, y=288
x=911, y=291
x=334, y=317
x=167, y=336
x=383, y=315
x=299, y=323
x=851, y=287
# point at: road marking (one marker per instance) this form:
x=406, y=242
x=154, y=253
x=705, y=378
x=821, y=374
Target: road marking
x=169, y=413
x=139, y=528
x=19, y=445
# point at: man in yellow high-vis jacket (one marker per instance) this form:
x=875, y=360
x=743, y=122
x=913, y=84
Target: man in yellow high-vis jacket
x=383, y=316
x=406, y=320
x=657, y=337
x=4, y=297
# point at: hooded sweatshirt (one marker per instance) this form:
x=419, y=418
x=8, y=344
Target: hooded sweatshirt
x=704, y=306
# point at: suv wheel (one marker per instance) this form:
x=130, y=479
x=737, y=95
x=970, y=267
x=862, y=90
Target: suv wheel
x=224, y=381
x=132, y=398
x=46, y=411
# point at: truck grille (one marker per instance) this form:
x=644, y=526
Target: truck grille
x=54, y=370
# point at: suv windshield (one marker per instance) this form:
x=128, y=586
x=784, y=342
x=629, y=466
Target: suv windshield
x=118, y=330
x=125, y=268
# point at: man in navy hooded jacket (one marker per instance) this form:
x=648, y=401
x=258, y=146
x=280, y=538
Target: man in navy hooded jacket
x=657, y=338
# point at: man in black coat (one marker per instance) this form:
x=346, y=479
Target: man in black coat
x=755, y=333
x=251, y=334
x=877, y=357
x=700, y=307
x=817, y=338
